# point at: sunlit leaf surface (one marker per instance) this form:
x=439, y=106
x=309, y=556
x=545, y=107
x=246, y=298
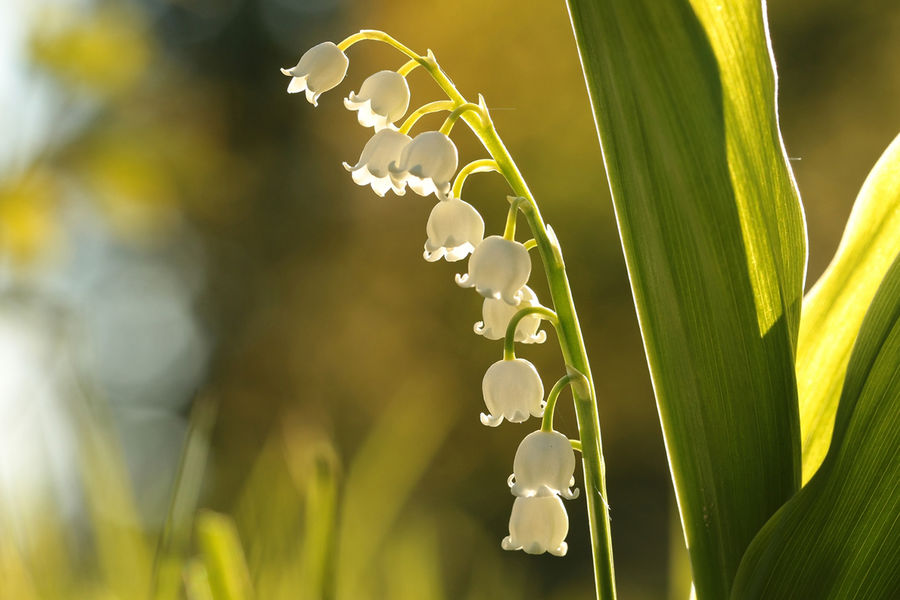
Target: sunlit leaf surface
x=713, y=233
x=840, y=536
x=834, y=309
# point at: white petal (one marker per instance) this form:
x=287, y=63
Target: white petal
x=544, y=464
x=455, y=227
x=427, y=164
x=382, y=99
x=538, y=524
x=500, y=268
x=297, y=84
x=512, y=389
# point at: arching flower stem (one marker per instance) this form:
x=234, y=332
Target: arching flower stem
x=552, y=397
x=509, y=342
x=427, y=109
x=454, y=116
x=530, y=244
x=509, y=233
x=568, y=329
x=483, y=165
x=408, y=67
x=576, y=445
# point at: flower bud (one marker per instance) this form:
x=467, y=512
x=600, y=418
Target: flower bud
x=454, y=229
x=512, y=390
x=497, y=314
x=427, y=165
x=382, y=99
x=372, y=167
x=499, y=268
x=320, y=68
x=538, y=524
x=544, y=465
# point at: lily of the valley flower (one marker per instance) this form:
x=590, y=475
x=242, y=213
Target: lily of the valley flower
x=544, y=465
x=320, y=68
x=538, y=524
x=499, y=268
x=385, y=147
x=454, y=228
x=382, y=99
x=512, y=390
x=427, y=165
x=497, y=314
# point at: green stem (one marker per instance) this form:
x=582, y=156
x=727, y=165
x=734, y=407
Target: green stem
x=576, y=445
x=509, y=232
x=408, y=67
x=552, y=397
x=427, y=109
x=484, y=165
x=530, y=244
x=571, y=341
x=456, y=114
x=509, y=342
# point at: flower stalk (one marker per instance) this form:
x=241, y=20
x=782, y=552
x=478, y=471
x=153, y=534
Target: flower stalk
x=563, y=317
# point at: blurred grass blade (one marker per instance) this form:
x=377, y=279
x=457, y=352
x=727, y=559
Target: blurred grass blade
x=840, y=536
x=176, y=534
x=386, y=467
x=223, y=557
x=683, y=95
x=196, y=581
x=834, y=309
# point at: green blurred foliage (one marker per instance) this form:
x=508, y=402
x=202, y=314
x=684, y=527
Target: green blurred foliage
x=345, y=373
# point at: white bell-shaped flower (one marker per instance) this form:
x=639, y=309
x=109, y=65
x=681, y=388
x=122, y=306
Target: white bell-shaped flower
x=499, y=268
x=320, y=68
x=454, y=228
x=544, y=465
x=512, y=390
x=427, y=164
x=372, y=168
x=497, y=314
x=383, y=98
x=538, y=524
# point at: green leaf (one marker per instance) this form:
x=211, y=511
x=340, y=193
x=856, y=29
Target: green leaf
x=712, y=228
x=840, y=536
x=833, y=310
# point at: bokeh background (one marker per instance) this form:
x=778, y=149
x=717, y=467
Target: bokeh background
x=187, y=270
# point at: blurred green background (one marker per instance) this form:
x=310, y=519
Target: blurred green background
x=177, y=232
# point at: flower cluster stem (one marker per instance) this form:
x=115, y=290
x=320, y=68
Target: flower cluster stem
x=574, y=353
x=568, y=329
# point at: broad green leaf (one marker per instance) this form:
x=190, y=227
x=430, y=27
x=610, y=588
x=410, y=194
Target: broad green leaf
x=839, y=537
x=683, y=94
x=833, y=310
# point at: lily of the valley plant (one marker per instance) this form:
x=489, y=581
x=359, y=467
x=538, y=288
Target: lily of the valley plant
x=499, y=268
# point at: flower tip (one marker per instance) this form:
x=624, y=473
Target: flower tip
x=479, y=328
x=287, y=72
x=561, y=550
x=490, y=420
x=508, y=544
x=463, y=280
x=570, y=494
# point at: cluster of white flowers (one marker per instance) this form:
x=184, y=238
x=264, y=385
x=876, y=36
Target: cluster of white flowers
x=499, y=269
